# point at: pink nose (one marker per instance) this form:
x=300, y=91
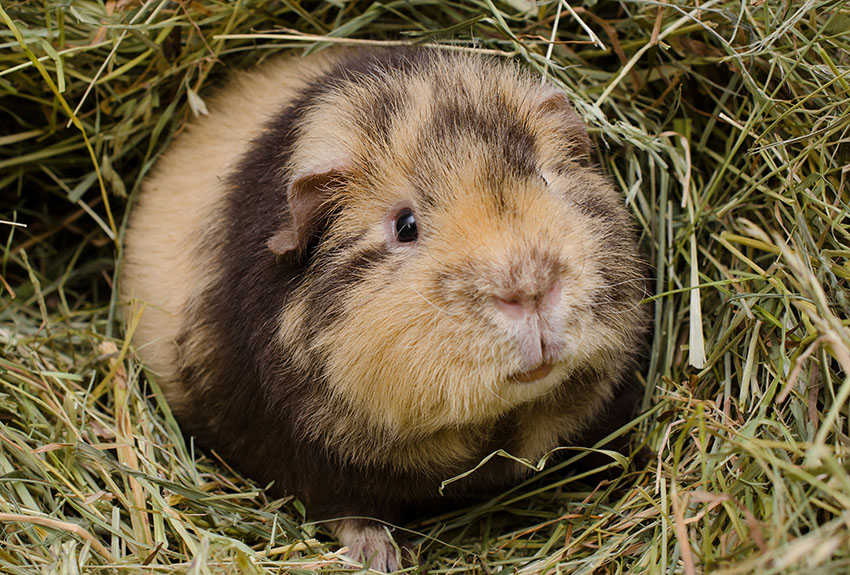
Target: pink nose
x=517, y=304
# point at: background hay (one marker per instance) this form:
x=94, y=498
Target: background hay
x=726, y=125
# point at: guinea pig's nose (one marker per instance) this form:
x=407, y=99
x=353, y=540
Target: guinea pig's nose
x=518, y=303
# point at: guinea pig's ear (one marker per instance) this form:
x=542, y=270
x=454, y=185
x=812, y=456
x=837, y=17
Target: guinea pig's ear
x=556, y=104
x=307, y=197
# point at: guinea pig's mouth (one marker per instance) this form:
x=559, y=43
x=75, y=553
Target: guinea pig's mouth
x=538, y=372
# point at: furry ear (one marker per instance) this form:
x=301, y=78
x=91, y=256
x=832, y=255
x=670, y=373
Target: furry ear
x=557, y=105
x=307, y=197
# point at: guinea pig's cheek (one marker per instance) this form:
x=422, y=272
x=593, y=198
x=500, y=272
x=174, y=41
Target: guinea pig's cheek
x=392, y=360
x=588, y=345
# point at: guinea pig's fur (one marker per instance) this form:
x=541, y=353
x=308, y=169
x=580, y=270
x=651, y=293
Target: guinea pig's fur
x=295, y=329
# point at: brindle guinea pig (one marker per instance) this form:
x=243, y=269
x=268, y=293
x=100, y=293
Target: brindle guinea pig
x=365, y=271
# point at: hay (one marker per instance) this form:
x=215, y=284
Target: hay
x=726, y=125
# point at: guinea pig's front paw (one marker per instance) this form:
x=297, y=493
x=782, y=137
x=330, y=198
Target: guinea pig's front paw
x=368, y=542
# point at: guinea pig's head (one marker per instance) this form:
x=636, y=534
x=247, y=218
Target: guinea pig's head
x=469, y=258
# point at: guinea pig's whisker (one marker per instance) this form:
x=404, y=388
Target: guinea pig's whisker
x=581, y=335
x=624, y=282
x=490, y=387
x=633, y=307
x=583, y=260
x=436, y=307
x=491, y=381
x=637, y=303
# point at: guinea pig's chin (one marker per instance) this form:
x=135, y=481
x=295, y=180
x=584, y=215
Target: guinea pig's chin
x=532, y=375
x=526, y=385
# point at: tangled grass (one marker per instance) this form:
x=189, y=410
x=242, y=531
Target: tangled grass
x=726, y=125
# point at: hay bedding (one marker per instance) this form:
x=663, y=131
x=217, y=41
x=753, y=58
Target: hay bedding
x=726, y=125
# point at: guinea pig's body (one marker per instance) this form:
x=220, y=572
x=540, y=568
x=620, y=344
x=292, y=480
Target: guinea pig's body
x=366, y=271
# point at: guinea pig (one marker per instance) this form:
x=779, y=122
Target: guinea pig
x=364, y=271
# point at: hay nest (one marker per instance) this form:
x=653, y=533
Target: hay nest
x=725, y=124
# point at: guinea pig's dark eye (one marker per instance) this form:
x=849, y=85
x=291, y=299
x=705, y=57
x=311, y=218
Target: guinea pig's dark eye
x=405, y=227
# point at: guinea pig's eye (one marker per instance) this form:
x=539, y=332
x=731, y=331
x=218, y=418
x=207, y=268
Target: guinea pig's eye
x=405, y=227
